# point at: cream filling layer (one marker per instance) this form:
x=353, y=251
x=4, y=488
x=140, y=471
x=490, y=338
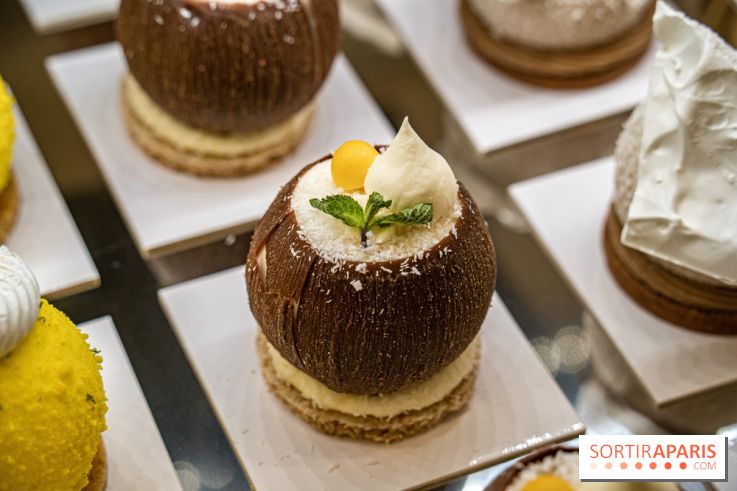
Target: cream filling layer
x=413, y=398
x=167, y=128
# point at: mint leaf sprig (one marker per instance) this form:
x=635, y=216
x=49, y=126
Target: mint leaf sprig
x=349, y=211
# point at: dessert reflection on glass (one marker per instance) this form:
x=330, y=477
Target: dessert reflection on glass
x=370, y=276
x=671, y=237
x=559, y=43
x=52, y=402
x=8, y=192
x=224, y=87
x=556, y=469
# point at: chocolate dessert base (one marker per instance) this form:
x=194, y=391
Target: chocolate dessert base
x=559, y=69
x=204, y=164
x=8, y=209
x=506, y=478
x=98, y=473
x=682, y=302
x=370, y=428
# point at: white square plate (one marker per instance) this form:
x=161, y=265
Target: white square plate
x=45, y=234
x=494, y=109
x=49, y=16
x=516, y=405
x=567, y=211
x=137, y=457
x=168, y=211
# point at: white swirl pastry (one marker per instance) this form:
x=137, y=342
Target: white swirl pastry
x=20, y=300
x=410, y=172
x=684, y=208
x=558, y=25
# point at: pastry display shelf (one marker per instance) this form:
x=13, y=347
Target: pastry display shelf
x=168, y=211
x=136, y=455
x=675, y=368
x=196, y=441
x=44, y=233
x=516, y=405
x=49, y=16
x=494, y=110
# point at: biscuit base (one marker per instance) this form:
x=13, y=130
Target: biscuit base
x=98, y=473
x=203, y=164
x=369, y=428
x=559, y=69
x=9, y=200
x=680, y=301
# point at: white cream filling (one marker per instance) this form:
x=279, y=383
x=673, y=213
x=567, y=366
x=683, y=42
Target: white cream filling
x=560, y=24
x=336, y=241
x=684, y=209
x=179, y=134
x=413, y=398
x=410, y=172
x=20, y=300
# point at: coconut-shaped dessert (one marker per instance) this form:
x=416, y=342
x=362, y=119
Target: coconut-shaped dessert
x=370, y=276
x=559, y=43
x=224, y=87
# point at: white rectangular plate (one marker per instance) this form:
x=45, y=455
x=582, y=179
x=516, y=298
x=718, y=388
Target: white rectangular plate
x=49, y=16
x=168, y=211
x=567, y=211
x=516, y=405
x=45, y=234
x=494, y=109
x=137, y=457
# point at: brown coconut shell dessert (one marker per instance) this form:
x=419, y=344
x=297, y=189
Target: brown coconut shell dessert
x=398, y=317
x=224, y=87
x=561, y=68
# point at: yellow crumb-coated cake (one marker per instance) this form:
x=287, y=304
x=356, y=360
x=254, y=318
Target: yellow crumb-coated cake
x=7, y=134
x=52, y=407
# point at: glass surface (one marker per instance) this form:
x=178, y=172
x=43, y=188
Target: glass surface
x=533, y=290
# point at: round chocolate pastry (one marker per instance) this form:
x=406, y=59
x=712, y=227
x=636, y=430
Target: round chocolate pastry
x=235, y=73
x=370, y=276
x=559, y=43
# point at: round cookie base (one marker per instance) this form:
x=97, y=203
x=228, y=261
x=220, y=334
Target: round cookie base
x=564, y=69
x=206, y=165
x=677, y=300
x=98, y=473
x=364, y=427
x=9, y=201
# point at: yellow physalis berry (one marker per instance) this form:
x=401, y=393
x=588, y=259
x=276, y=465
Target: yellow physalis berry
x=547, y=482
x=350, y=164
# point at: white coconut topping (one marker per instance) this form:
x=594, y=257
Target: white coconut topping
x=565, y=466
x=561, y=464
x=337, y=242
